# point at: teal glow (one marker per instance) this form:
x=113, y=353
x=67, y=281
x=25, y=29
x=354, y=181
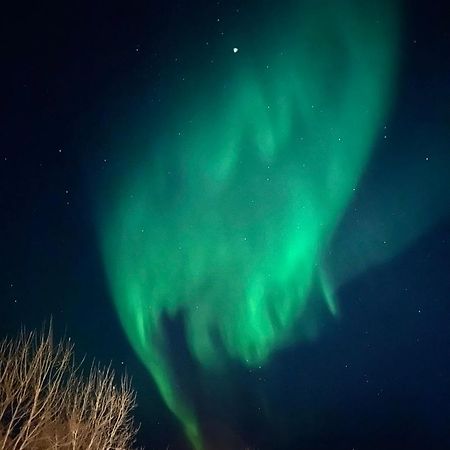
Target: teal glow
x=227, y=219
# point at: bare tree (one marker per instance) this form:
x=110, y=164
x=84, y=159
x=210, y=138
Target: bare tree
x=47, y=403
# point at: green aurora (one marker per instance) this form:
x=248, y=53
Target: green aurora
x=227, y=220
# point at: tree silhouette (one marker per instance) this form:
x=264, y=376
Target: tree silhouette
x=46, y=402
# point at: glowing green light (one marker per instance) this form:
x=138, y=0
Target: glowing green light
x=227, y=221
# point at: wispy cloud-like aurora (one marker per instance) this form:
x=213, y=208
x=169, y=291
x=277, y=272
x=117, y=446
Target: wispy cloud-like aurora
x=227, y=219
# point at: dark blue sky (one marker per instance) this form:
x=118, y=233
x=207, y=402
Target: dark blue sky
x=75, y=77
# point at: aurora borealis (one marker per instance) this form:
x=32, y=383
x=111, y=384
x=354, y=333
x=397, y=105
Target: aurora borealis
x=244, y=205
x=229, y=220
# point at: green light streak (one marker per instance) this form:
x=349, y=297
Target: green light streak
x=228, y=220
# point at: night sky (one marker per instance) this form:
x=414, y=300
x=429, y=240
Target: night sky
x=243, y=204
